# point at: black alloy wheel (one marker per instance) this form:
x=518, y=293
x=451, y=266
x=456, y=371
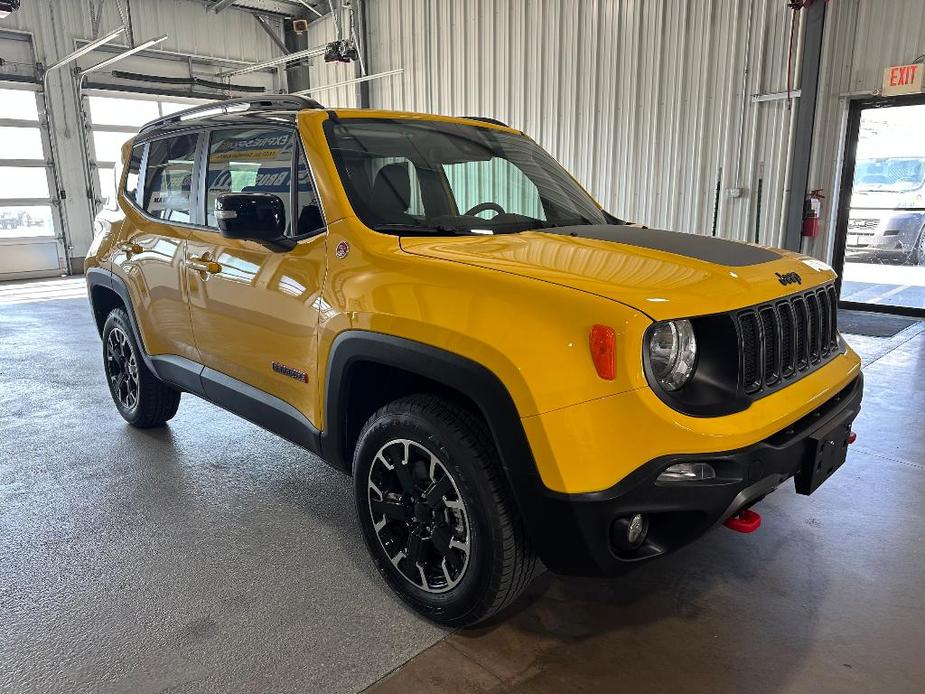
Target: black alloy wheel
x=419, y=516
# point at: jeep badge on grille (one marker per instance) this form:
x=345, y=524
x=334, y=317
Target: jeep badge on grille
x=789, y=278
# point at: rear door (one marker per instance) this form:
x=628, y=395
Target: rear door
x=255, y=314
x=159, y=191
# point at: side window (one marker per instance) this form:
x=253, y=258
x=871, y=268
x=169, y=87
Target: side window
x=168, y=177
x=255, y=160
x=494, y=181
x=310, y=219
x=134, y=169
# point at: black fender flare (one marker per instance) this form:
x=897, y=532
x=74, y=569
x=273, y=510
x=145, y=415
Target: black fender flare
x=99, y=277
x=467, y=377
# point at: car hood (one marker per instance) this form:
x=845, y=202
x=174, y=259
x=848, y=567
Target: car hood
x=876, y=199
x=664, y=274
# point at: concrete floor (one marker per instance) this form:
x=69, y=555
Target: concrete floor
x=211, y=556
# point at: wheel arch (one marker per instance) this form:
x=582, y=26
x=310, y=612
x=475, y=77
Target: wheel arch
x=367, y=369
x=108, y=291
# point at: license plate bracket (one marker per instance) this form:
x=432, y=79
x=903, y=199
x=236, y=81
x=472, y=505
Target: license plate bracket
x=826, y=452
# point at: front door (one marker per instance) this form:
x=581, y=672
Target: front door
x=254, y=310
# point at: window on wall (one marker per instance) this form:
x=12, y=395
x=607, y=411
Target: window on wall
x=169, y=176
x=113, y=121
x=25, y=193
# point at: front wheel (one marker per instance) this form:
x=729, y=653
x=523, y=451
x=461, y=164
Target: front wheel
x=917, y=257
x=436, y=512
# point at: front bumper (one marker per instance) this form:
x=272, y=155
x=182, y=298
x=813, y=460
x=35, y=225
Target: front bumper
x=572, y=532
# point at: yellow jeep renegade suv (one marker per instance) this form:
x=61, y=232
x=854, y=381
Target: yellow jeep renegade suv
x=436, y=307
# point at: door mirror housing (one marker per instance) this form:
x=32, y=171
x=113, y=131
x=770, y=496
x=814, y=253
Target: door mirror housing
x=259, y=217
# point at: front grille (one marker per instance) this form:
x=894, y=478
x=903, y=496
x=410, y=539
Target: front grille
x=784, y=340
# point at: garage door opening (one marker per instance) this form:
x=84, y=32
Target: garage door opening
x=881, y=234
x=113, y=118
x=28, y=236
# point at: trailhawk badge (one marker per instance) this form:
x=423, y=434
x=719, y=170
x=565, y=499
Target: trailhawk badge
x=343, y=248
x=789, y=278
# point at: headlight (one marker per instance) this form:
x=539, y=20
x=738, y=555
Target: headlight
x=672, y=353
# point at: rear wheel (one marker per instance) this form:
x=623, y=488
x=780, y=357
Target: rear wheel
x=142, y=399
x=436, y=513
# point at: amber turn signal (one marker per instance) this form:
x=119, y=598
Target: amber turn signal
x=604, y=351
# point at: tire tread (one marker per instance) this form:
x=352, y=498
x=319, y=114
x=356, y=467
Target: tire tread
x=157, y=401
x=519, y=564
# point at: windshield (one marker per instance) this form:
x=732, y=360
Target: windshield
x=429, y=178
x=897, y=175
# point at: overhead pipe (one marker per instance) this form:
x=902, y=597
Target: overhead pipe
x=355, y=80
x=288, y=58
x=121, y=56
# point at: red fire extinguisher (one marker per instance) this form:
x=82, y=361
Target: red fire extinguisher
x=812, y=213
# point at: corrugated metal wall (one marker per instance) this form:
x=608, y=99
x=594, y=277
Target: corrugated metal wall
x=643, y=102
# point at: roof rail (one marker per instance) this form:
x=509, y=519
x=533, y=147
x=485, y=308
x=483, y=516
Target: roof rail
x=276, y=102
x=484, y=119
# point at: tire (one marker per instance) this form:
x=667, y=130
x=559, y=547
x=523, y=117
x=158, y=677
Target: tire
x=142, y=399
x=917, y=256
x=444, y=449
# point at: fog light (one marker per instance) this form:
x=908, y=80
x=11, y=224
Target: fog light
x=688, y=472
x=636, y=529
x=628, y=533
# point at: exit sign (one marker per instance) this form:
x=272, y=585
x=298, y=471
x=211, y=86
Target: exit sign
x=903, y=79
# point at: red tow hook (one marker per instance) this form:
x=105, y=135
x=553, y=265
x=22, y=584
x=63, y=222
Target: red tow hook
x=746, y=521
x=852, y=437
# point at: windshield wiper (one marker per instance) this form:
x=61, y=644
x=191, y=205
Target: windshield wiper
x=422, y=229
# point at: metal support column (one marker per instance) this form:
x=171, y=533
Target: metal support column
x=297, y=75
x=800, y=156
x=361, y=36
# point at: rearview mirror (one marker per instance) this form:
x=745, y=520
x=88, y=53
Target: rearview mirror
x=259, y=217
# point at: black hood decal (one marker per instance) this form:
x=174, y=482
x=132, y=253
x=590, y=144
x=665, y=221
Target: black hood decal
x=707, y=248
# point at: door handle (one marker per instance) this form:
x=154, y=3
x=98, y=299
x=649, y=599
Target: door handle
x=203, y=264
x=130, y=248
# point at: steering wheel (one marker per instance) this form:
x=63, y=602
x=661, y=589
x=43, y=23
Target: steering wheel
x=484, y=206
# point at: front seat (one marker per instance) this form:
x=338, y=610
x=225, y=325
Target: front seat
x=391, y=194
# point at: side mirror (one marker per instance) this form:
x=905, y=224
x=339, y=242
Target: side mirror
x=259, y=217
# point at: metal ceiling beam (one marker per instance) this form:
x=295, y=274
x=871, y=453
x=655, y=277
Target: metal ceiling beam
x=220, y=5
x=309, y=7
x=265, y=25
x=277, y=8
